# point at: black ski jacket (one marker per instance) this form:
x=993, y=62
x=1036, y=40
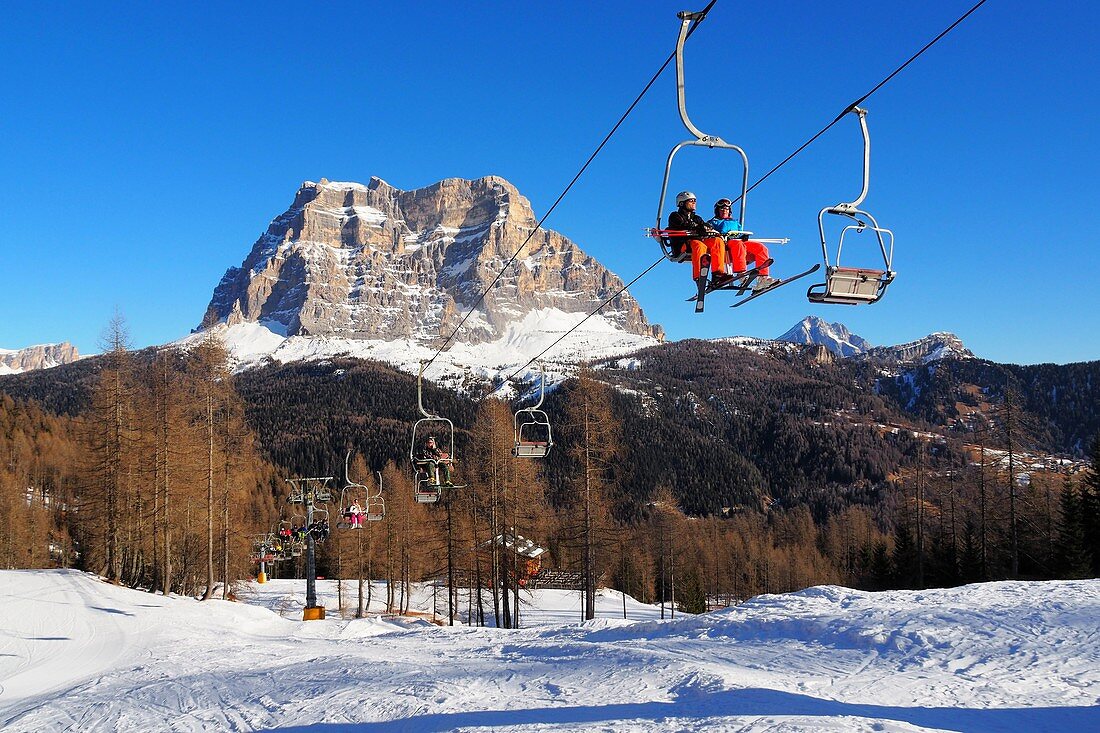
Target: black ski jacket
x=693, y=223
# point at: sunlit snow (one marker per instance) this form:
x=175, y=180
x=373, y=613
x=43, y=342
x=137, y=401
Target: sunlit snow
x=79, y=654
x=251, y=344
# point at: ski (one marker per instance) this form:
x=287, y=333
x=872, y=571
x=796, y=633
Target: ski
x=737, y=283
x=701, y=284
x=777, y=284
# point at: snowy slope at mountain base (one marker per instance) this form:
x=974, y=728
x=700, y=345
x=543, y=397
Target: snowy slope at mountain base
x=251, y=344
x=79, y=654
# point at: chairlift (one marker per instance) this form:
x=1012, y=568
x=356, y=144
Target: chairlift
x=297, y=534
x=320, y=529
x=359, y=500
x=285, y=539
x=262, y=549
x=854, y=285
x=313, y=490
x=427, y=484
x=533, y=438
x=662, y=235
x=375, y=507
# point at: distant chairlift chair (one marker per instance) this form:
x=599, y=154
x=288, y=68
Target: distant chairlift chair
x=533, y=437
x=427, y=486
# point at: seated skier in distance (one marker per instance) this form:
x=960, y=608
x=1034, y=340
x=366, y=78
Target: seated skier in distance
x=432, y=461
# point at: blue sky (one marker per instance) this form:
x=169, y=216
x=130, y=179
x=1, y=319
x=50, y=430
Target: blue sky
x=146, y=146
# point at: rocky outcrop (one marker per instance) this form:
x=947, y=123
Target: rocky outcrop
x=43, y=356
x=375, y=262
x=934, y=347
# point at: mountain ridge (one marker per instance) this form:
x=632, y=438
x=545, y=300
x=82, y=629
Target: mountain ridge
x=39, y=356
x=372, y=261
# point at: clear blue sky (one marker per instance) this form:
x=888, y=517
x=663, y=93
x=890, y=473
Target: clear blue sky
x=145, y=146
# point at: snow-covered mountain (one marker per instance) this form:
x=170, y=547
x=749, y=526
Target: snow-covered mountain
x=934, y=347
x=839, y=340
x=833, y=336
x=461, y=366
x=42, y=356
x=376, y=272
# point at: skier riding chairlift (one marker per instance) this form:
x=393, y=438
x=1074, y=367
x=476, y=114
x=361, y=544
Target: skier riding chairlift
x=426, y=464
x=670, y=237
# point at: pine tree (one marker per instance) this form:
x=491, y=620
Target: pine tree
x=692, y=597
x=110, y=442
x=1072, y=556
x=1090, y=507
x=595, y=441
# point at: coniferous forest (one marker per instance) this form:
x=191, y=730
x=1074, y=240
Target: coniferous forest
x=699, y=472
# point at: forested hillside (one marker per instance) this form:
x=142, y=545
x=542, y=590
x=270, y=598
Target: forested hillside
x=725, y=427
x=1063, y=401
x=742, y=470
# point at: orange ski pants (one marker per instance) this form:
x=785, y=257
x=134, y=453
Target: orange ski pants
x=741, y=251
x=700, y=249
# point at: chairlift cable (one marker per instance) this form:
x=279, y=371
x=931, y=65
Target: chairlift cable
x=786, y=160
x=699, y=18
x=860, y=101
x=617, y=293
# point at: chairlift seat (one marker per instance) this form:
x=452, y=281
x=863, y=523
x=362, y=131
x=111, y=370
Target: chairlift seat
x=427, y=494
x=850, y=285
x=375, y=510
x=531, y=449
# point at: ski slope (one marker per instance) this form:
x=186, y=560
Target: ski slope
x=82, y=655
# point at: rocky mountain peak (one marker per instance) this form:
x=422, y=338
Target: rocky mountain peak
x=833, y=336
x=43, y=356
x=933, y=347
x=375, y=262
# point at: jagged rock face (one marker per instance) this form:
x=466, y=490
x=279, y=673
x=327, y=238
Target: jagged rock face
x=833, y=336
x=931, y=348
x=37, y=357
x=375, y=262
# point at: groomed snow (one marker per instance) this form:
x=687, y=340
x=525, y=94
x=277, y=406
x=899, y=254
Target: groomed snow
x=79, y=654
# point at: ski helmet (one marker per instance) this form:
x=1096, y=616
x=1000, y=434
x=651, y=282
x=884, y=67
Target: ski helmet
x=722, y=203
x=683, y=197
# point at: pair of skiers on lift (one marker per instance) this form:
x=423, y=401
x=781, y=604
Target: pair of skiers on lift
x=709, y=244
